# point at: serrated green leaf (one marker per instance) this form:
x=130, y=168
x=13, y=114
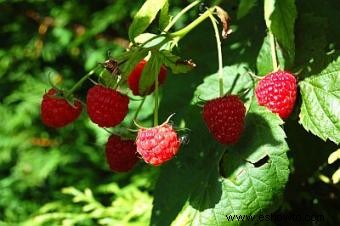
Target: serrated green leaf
x=244, y=7
x=144, y=38
x=249, y=189
x=280, y=18
x=199, y=192
x=144, y=17
x=235, y=80
x=148, y=40
x=320, y=110
x=108, y=79
x=164, y=17
x=150, y=73
x=264, y=61
x=175, y=64
x=131, y=58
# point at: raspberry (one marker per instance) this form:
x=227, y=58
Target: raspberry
x=158, y=144
x=224, y=118
x=134, y=78
x=277, y=92
x=106, y=107
x=121, y=154
x=56, y=112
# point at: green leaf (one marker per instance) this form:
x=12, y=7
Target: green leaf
x=193, y=186
x=264, y=61
x=320, y=110
x=131, y=58
x=144, y=17
x=149, y=40
x=280, y=18
x=164, y=17
x=108, y=79
x=235, y=80
x=175, y=63
x=244, y=7
x=140, y=39
x=150, y=73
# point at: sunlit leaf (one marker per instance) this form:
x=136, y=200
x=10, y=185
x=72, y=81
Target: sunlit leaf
x=205, y=193
x=280, y=18
x=264, y=62
x=320, y=110
x=144, y=17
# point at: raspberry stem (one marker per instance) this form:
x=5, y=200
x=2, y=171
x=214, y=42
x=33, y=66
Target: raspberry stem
x=273, y=51
x=81, y=81
x=138, y=110
x=155, y=115
x=168, y=119
x=180, y=14
x=178, y=35
x=217, y=2
x=184, y=31
x=219, y=54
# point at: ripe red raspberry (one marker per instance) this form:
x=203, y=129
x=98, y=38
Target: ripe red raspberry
x=224, y=118
x=121, y=154
x=277, y=92
x=105, y=106
x=56, y=112
x=134, y=78
x=158, y=144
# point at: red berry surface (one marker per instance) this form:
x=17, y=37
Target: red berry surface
x=121, y=155
x=224, y=118
x=134, y=78
x=106, y=107
x=56, y=112
x=158, y=144
x=277, y=92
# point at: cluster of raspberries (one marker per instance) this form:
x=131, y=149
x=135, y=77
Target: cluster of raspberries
x=107, y=108
x=224, y=116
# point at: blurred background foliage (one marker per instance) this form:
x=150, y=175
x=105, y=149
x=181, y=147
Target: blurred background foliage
x=60, y=41
x=60, y=177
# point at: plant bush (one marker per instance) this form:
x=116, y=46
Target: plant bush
x=60, y=176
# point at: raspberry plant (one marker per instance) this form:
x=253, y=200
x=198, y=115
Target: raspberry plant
x=232, y=168
x=200, y=181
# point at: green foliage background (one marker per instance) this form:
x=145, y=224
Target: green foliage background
x=60, y=177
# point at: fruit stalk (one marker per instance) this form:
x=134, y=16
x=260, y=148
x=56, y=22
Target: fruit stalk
x=180, y=14
x=81, y=81
x=138, y=110
x=184, y=31
x=219, y=53
x=155, y=119
x=273, y=51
